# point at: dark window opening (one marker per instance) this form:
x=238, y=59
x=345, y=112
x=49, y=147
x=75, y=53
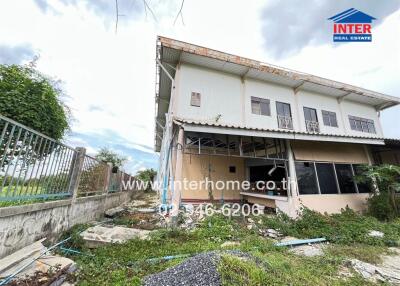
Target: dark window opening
x=362, y=124
x=345, y=178
x=363, y=187
x=326, y=178
x=232, y=169
x=195, y=99
x=260, y=106
x=306, y=178
x=329, y=118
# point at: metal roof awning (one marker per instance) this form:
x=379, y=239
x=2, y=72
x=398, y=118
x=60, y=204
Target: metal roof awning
x=209, y=127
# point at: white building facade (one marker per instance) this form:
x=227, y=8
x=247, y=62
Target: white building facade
x=224, y=117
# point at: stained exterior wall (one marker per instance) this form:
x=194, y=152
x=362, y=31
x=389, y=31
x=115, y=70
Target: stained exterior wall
x=228, y=97
x=200, y=167
x=334, y=203
x=196, y=167
x=22, y=225
x=329, y=152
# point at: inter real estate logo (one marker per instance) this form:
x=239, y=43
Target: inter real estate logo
x=352, y=26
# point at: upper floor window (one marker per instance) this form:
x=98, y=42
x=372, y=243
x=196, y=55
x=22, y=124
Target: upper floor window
x=260, y=106
x=310, y=115
x=362, y=124
x=195, y=99
x=329, y=118
x=284, y=115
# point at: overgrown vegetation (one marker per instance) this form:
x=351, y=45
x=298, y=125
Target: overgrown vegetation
x=384, y=203
x=147, y=176
x=347, y=228
x=108, y=156
x=127, y=264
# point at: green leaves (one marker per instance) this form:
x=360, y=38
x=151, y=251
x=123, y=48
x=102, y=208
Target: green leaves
x=108, y=156
x=33, y=99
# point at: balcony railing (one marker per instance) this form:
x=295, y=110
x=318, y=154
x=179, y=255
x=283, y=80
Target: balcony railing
x=312, y=126
x=285, y=122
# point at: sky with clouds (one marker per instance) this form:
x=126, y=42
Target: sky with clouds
x=108, y=75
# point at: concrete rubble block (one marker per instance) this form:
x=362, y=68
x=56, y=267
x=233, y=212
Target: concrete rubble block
x=375, y=233
x=42, y=263
x=114, y=212
x=270, y=232
x=100, y=235
x=308, y=250
x=375, y=273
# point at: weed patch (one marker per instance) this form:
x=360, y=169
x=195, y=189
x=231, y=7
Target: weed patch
x=348, y=227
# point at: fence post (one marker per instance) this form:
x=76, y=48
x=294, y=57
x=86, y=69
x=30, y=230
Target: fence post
x=76, y=171
x=108, y=177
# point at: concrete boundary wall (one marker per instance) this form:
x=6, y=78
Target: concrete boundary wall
x=22, y=225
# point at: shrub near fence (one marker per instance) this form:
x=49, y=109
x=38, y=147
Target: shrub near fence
x=34, y=166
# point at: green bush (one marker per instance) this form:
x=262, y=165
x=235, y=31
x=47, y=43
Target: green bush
x=33, y=99
x=379, y=206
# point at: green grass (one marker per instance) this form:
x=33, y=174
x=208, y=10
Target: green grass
x=126, y=264
x=24, y=191
x=284, y=269
x=345, y=228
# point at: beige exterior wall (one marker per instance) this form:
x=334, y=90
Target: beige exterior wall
x=200, y=167
x=329, y=151
x=196, y=168
x=334, y=203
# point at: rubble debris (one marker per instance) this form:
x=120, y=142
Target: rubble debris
x=308, y=250
x=375, y=233
x=111, y=213
x=270, y=232
x=100, y=235
x=375, y=273
x=32, y=264
x=200, y=269
x=146, y=210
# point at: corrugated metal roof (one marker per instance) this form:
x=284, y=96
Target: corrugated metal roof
x=214, y=124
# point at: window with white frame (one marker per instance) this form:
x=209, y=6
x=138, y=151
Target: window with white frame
x=260, y=106
x=362, y=124
x=195, y=99
x=329, y=118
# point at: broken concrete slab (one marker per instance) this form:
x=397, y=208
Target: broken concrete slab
x=21, y=256
x=375, y=273
x=33, y=259
x=270, y=232
x=114, y=212
x=375, y=233
x=100, y=235
x=146, y=210
x=308, y=250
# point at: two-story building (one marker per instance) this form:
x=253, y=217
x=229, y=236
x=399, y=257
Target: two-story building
x=222, y=117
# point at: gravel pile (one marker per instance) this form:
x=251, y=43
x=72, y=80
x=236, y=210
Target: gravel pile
x=198, y=270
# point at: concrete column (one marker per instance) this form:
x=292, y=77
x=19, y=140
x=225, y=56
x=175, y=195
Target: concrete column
x=342, y=117
x=108, y=177
x=77, y=165
x=293, y=194
x=367, y=151
x=176, y=198
x=292, y=171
